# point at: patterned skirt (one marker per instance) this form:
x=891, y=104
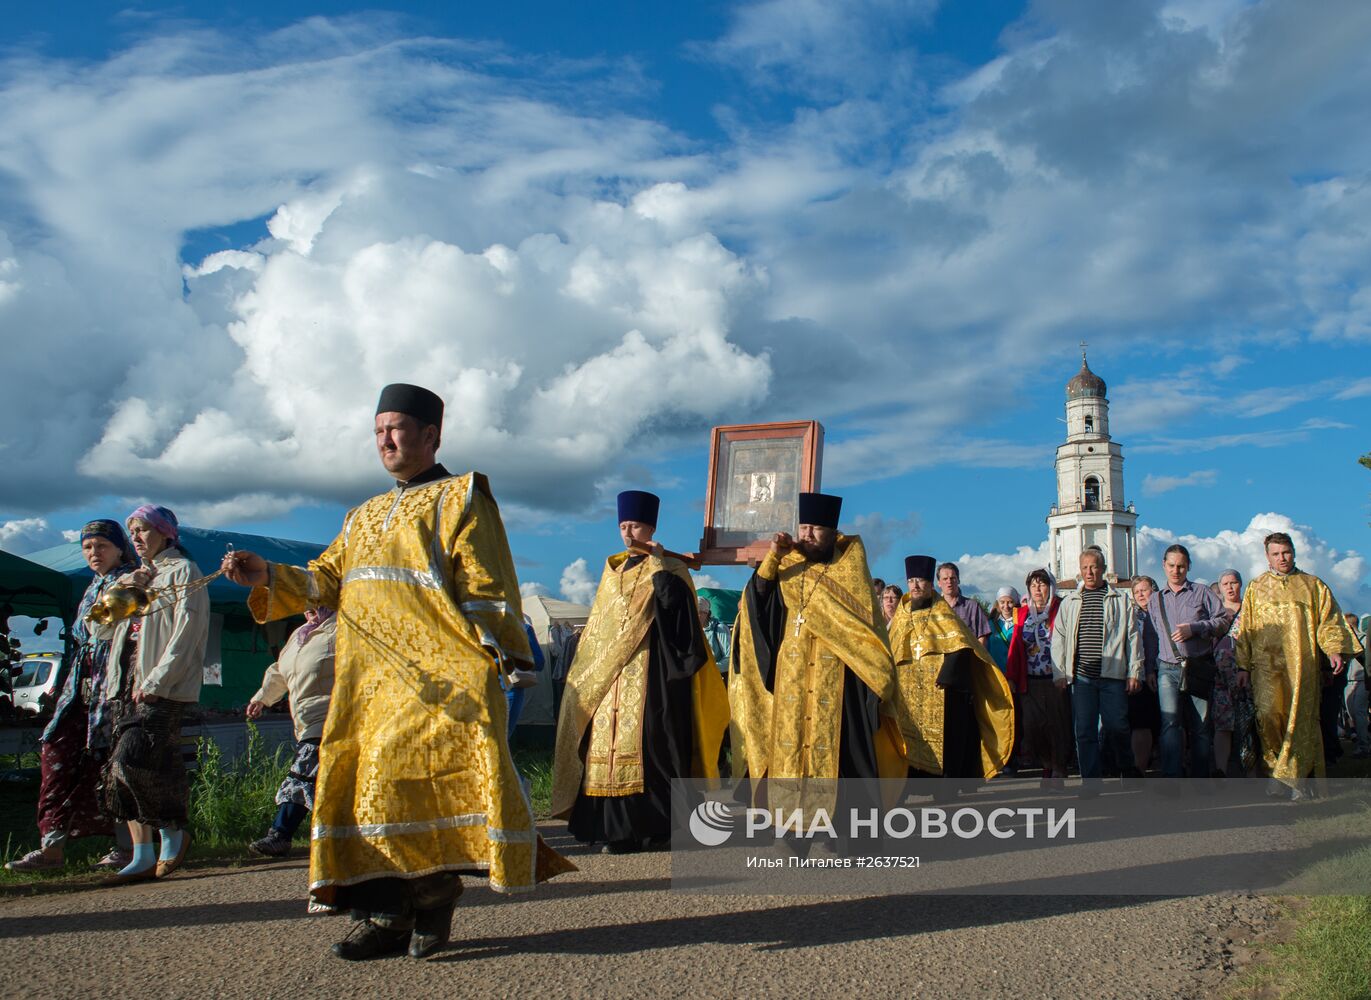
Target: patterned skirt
x=67, y=803
x=304, y=771
x=145, y=777
x=1225, y=690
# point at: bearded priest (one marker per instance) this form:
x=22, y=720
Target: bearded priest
x=956, y=710
x=638, y=709
x=813, y=672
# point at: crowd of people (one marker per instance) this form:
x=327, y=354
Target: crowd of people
x=406, y=678
x=1174, y=681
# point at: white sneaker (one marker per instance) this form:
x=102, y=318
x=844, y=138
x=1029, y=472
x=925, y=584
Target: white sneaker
x=117, y=858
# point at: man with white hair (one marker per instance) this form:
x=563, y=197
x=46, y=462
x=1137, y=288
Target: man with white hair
x=1095, y=651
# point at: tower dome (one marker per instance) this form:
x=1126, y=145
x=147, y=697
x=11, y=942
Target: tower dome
x=1085, y=383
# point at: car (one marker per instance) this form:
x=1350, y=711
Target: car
x=35, y=689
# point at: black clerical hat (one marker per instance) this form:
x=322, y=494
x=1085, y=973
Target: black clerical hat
x=821, y=509
x=639, y=505
x=919, y=567
x=413, y=401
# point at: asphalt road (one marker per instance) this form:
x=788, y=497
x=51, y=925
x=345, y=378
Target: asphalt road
x=614, y=929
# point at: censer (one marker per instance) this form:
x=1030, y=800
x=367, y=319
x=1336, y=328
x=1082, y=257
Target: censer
x=119, y=602
x=128, y=600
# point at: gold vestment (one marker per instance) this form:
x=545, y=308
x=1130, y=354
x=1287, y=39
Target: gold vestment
x=791, y=734
x=606, y=690
x=415, y=774
x=920, y=641
x=1285, y=622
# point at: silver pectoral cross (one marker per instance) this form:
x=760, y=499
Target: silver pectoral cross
x=799, y=620
x=919, y=650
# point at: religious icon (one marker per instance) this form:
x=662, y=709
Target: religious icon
x=756, y=473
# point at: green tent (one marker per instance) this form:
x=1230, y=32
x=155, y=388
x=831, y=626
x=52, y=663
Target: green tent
x=32, y=590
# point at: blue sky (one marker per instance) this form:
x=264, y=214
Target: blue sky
x=601, y=230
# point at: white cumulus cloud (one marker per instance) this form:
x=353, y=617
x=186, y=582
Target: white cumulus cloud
x=587, y=287
x=576, y=584
x=29, y=534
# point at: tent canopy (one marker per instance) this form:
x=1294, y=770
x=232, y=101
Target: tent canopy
x=723, y=603
x=544, y=611
x=34, y=590
x=206, y=547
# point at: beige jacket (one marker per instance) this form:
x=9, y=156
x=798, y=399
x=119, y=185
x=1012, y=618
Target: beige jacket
x=170, y=658
x=306, y=674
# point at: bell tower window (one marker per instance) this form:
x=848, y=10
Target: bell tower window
x=1092, y=493
x=1089, y=423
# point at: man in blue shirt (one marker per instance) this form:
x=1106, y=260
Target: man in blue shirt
x=717, y=634
x=1194, y=620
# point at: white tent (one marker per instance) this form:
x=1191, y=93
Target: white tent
x=544, y=612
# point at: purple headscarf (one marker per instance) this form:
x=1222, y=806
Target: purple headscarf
x=160, y=518
x=321, y=616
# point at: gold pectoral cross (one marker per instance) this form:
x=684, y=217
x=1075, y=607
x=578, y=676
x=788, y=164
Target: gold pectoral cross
x=919, y=650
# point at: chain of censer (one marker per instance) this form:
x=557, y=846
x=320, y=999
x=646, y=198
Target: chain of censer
x=174, y=592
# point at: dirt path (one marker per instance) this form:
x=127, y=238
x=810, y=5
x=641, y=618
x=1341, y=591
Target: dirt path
x=614, y=930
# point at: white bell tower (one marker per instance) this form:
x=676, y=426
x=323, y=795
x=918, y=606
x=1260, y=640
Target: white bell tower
x=1090, y=508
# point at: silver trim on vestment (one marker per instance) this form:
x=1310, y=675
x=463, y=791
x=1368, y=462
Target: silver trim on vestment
x=322, y=832
x=393, y=574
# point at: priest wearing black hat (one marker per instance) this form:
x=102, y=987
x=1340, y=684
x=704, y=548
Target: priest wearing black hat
x=955, y=708
x=638, y=710
x=812, y=677
x=416, y=783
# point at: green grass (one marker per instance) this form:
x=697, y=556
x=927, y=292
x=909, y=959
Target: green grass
x=536, y=767
x=1327, y=958
x=231, y=803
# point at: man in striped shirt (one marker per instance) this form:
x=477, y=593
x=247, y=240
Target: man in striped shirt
x=1095, y=649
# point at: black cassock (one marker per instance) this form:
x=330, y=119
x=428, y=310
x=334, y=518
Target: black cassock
x=676, y=650
x=961, y=730
x=861, y=719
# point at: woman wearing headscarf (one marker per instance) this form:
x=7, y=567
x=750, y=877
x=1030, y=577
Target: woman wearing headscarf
x=1028, y=668
x=1002, y=619
x=156, y=666
x=78, y=734
x=1223, y=701
x=304, y=673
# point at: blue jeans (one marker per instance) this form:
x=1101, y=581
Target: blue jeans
x=514, y=700
x=1178, y=709
x=1097, y=704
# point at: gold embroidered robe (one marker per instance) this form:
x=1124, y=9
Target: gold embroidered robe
x=415, y=774
x=920, y=641
x=791, y=730
x=1285, y=622
x=606, y=691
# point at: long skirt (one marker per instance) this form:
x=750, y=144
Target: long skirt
x=67, y=802
x=1047, y=724
x=145, y=779
x=1225, y=695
